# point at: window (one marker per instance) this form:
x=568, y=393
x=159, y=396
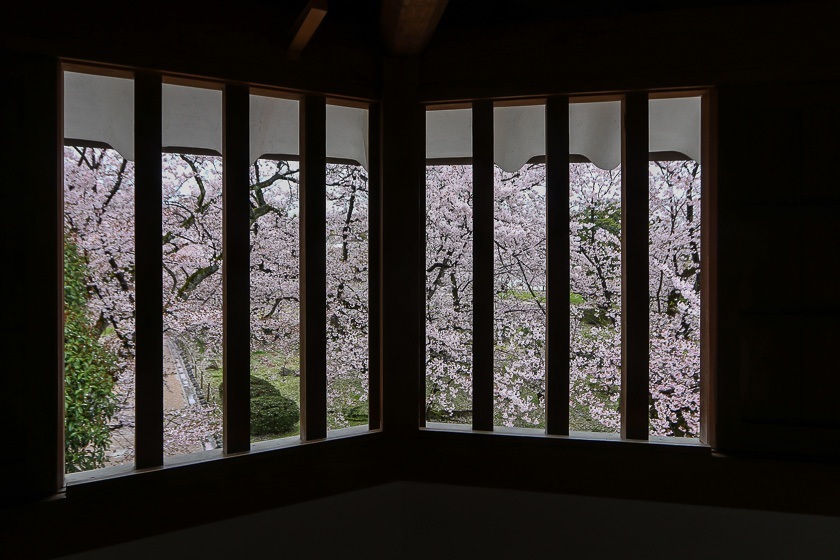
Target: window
x=676, y=265
x=449, y=268
x=222, y=218
x=274, y=267
x=99, y=260
x=617, y=232
x=192, y=169
x=347, y=267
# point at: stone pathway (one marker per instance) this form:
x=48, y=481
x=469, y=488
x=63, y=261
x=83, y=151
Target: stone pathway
x=122, y=425
x=178, y=391
x=178, y=394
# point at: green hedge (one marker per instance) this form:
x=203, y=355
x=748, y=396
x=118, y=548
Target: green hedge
x=271, y=412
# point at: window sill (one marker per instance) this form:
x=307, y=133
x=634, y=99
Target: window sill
x=194, y=460
x=594, y=438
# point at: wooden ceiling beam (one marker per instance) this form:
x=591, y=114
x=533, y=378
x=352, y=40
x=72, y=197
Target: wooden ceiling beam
x=311, y=17
x=408, y=25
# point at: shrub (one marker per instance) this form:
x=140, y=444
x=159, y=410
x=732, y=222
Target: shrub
x=271, y=412
x=89, y=372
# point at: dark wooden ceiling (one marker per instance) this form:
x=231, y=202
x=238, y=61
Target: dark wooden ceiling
x=370, y=21
x=470, y=13
x=406, y=26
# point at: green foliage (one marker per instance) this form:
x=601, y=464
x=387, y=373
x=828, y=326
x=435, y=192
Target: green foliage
x=89, y=372
x=357, y=415
x=597, y=317
x=272, y=413
x=449, y=417
x=581, y=419
x=606, y=217
x=521, y=295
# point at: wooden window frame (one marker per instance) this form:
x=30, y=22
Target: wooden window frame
x=635, y=334
x=313, y=368
x=235, y=275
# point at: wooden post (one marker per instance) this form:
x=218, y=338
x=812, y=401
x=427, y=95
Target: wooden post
x=635, y=311
x=557, y=266
x=236, y=269
x=32, y=212
x=374, y=269
x=148, y=227
x=482, y=418
x=709, y=271
x=313, y=268
x=403, y=249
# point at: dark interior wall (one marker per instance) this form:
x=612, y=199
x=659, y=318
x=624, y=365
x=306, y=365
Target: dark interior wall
x=779, y=241
x=689, y=47
x=242, y=42
x=413, y=520
x=30, y=323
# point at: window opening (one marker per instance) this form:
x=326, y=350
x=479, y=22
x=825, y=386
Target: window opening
x=449, y=243
x=595, y=266
x=192, y=269
x=347, y=204
x=99, y=332
x=675, y=267
x=519, y=212
x=275, y=268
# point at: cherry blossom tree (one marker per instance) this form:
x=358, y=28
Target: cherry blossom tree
x=675, y=270
x=520, y=296
x=449, y=238
x=347, y=294
x=99, y=200
x=98, y=221
x=595, y=296
x=595, y=262
x=99, y=217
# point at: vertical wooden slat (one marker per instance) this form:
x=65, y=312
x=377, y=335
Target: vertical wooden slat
x=313, y=275
x=374, y=269
x=403, y=249
x=54, y=123
x=482, y=265
x=634, y=267
x=709, y=269
x=148, y=226
x=235, y=268
x=557, y=266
